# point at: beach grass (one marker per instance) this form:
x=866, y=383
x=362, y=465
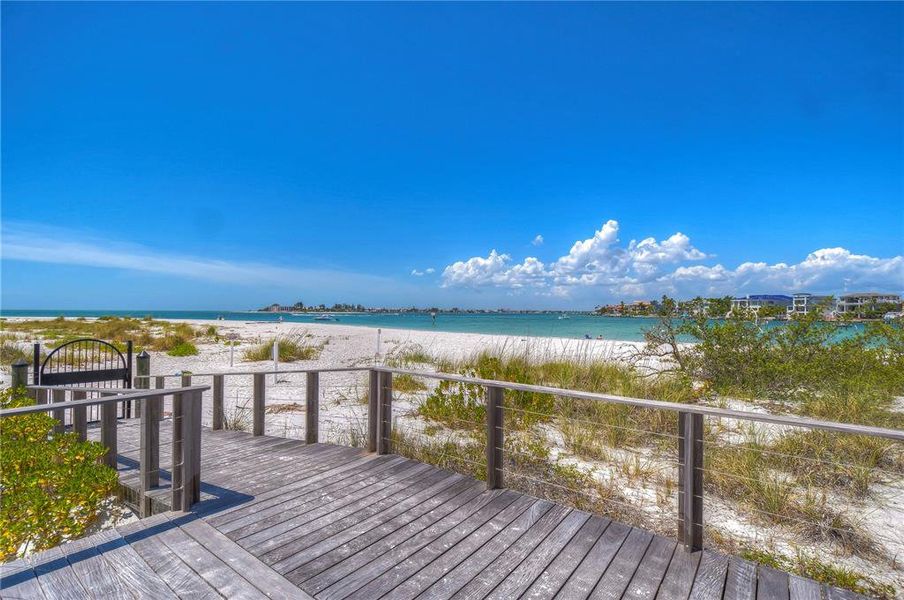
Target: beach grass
x=290, y=348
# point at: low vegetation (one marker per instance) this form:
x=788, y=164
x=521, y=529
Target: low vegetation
x=53, y=485
x=807, y=486
x=290, y=348
x=176, y=339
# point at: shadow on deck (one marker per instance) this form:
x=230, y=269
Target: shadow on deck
x=282, y=519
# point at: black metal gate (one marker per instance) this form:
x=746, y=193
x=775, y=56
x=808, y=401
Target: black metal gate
x=86, y=362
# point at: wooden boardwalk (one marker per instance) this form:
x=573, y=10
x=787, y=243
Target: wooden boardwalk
x=282, y=519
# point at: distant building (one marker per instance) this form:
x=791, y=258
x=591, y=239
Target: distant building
x=755, y=302
x=857, y=302
x=804, y=304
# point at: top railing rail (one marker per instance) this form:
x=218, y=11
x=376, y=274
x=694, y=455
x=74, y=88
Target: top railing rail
x=805, y=422
x=114, y=396
x=262, y=372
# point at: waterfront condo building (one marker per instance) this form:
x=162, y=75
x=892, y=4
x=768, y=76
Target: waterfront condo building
x=858, y=302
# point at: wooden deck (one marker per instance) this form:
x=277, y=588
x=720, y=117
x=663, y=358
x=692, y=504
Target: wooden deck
x=282, y=519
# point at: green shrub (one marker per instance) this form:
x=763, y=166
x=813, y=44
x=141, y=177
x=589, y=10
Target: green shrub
x=406, y=384
x=183, y=349
x=53, y=486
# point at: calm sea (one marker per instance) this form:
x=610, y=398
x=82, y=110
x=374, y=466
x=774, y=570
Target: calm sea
x=541, y=325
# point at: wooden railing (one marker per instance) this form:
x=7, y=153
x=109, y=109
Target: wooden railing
x=690, y=425
x=186, y=439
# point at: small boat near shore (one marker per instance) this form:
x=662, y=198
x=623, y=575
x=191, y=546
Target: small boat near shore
x=325, y=317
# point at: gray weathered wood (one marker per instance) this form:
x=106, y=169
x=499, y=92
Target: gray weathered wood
x=521, y=578
x=385, y=572
x=18, y=373
x=372, y=527
x=554, y=576
x=56, y=577
x=80, y=416
x=108, y=433
x=804, y=589
x=177, y=477
x=679, y=578
x=771, y=584
x=59, y=397
x=428, y=564
x=208, y=566
x=621, y=570
x=218, y=389
x=357, y=570
x=709, y=582
x=589, y=572
x=129, y=567
x=93, y=570
x=18, y=579
x=646, y=580
x=454, y=580
x=495, y=437
x=384, y=445
x=373, y=394
x=258, y=404
x=740, y=582
x=312, y=408
x=149, y=450
x=257, y=573
x=191, y=449
x=321, y=571
x=690, y=481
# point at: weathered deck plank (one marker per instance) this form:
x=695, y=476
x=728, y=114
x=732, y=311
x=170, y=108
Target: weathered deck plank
x=282, y=519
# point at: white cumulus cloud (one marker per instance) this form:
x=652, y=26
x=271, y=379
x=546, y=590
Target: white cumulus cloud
x=601, y=265
x=537, y=241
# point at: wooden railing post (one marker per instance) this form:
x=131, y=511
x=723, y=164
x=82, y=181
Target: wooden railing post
x=384, y=445
x=80, y=417
x=59, y=396
x=690, y=481
x=191, y=450
x=373, y=395
x=177, y=478
x=108, y=431
x=218, y=415
x=160, y=383
x=312, y=409
x=149, y=411
x=495, y=437
x=19, y=371
x=258, y=404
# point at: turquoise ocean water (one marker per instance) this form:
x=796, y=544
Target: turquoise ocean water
x=541, y=325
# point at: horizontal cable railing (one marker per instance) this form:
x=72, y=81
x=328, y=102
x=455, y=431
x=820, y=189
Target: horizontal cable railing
x=680, y=467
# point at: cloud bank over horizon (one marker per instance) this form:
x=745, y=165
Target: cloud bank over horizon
x=601, y=266
x=595, y=270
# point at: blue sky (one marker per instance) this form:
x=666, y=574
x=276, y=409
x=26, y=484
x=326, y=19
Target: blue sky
x=164, y=155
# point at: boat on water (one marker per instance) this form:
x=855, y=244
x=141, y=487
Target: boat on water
x=325, y=317
x=563, y=316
